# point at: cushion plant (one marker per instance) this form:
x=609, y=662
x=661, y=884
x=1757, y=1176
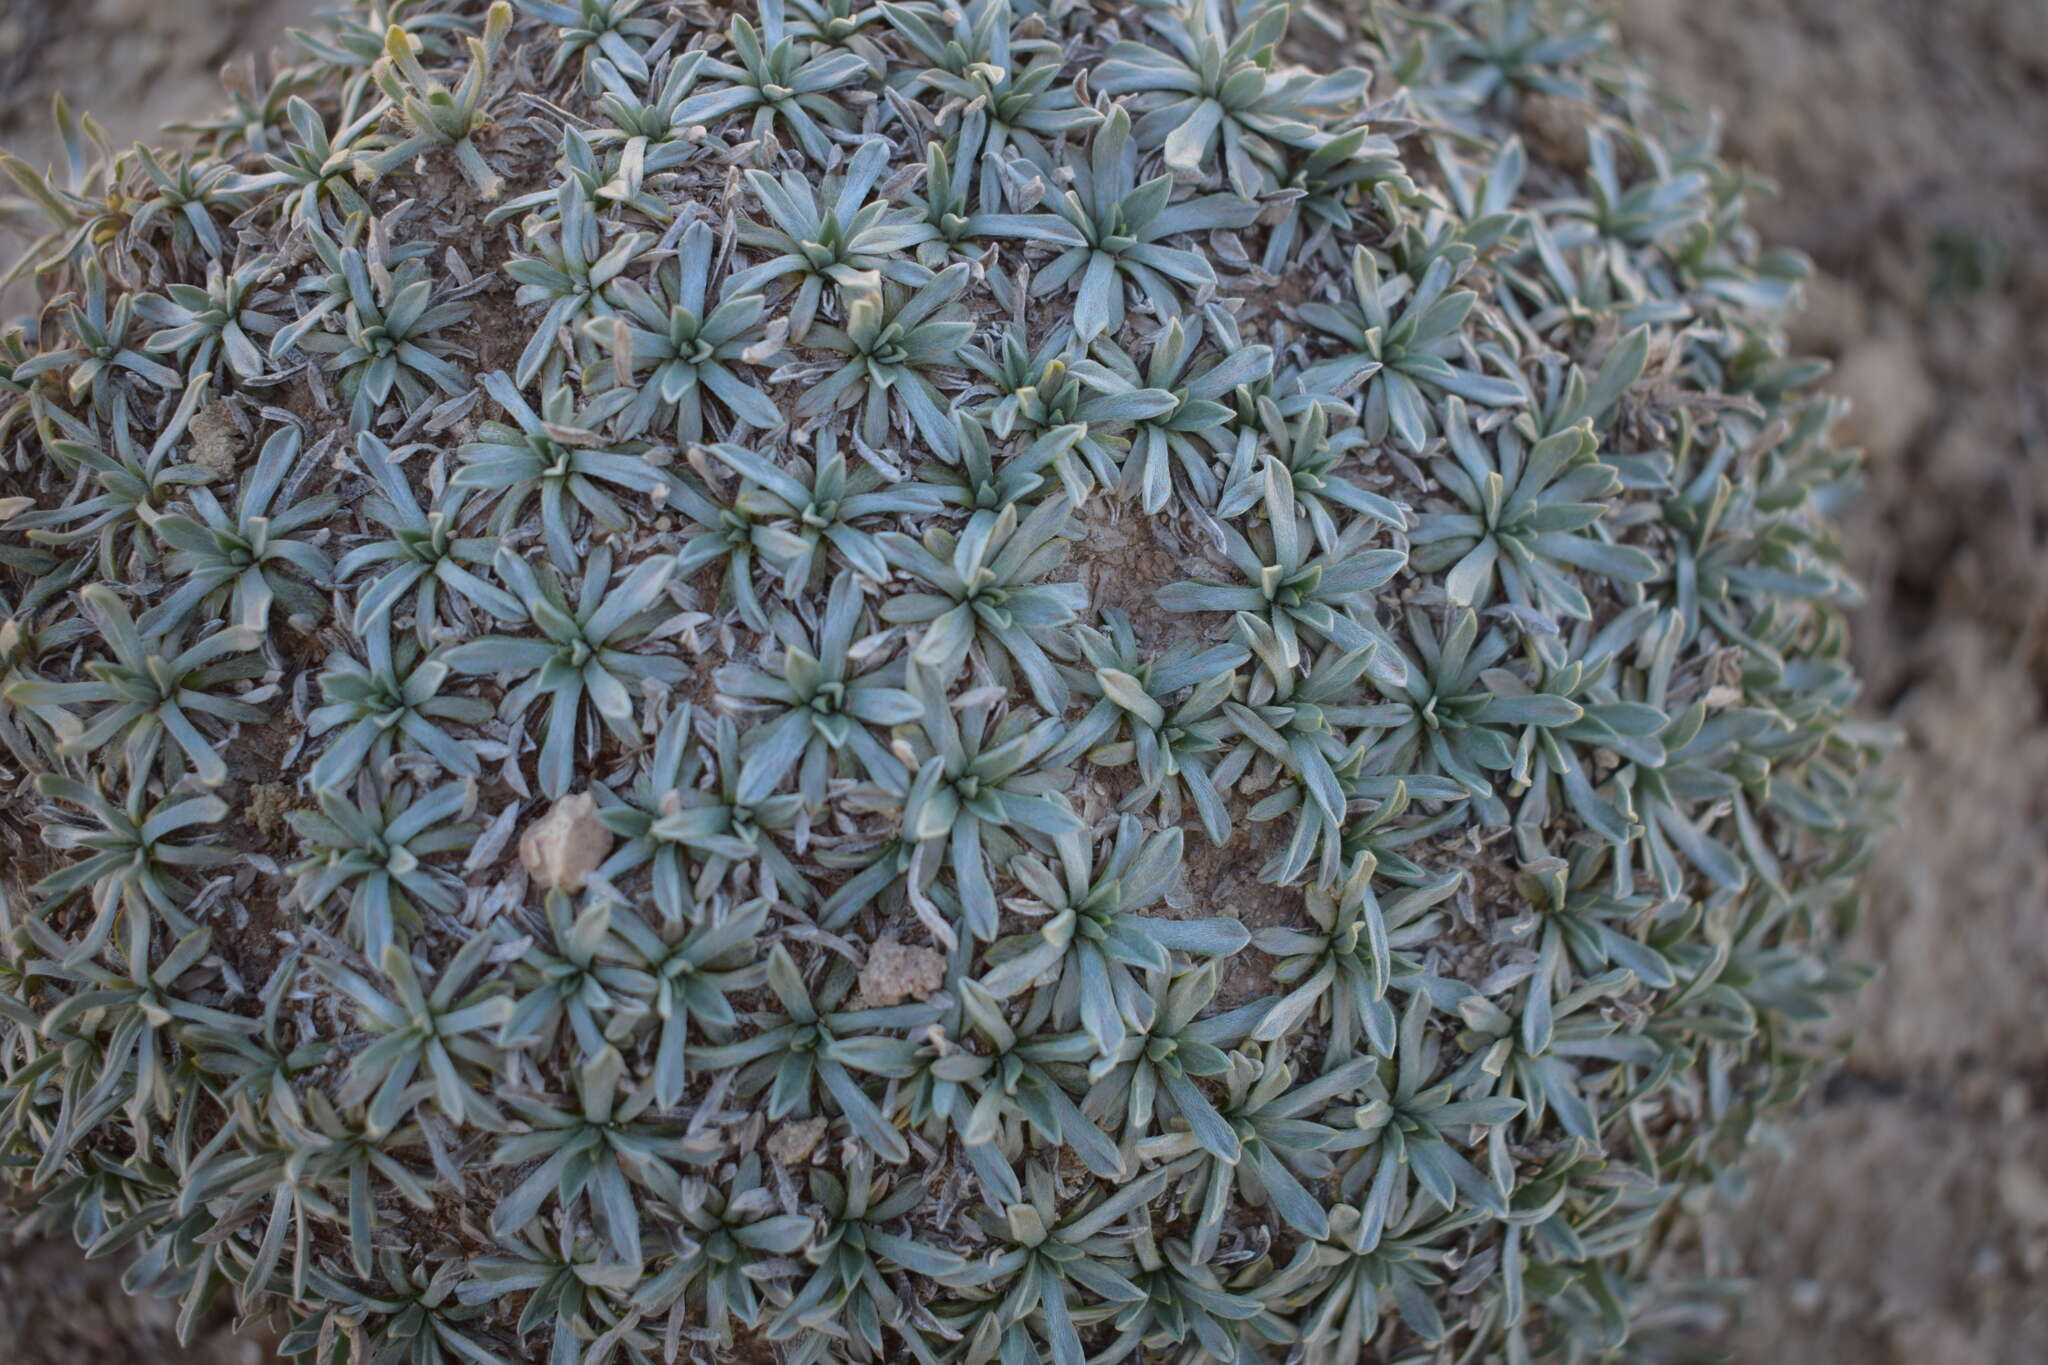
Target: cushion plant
x=816, y=681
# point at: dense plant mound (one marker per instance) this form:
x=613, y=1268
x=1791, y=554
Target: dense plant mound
x=849, y=680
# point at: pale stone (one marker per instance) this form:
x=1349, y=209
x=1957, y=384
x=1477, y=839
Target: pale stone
x=563, y=847
x=792, y=1143
x=217, y=442
x=1890, y=396
x=895, y=973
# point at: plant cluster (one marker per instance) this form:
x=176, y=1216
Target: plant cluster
x=848, y=679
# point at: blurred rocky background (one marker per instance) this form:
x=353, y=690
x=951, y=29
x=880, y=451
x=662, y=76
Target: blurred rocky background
x=1909, y=1220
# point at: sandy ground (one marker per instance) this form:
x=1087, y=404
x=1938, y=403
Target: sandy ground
x=136, y=64
x=1908, y=1219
